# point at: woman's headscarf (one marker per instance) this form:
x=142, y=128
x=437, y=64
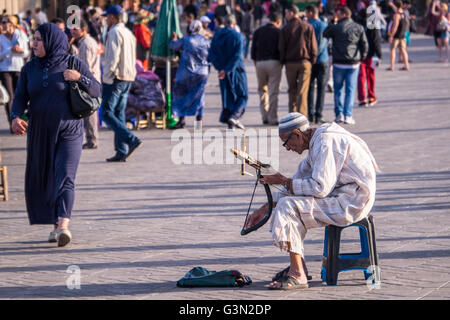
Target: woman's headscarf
x=195, y=27
x=55, y=42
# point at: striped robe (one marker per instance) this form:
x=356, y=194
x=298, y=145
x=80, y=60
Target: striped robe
x=334, y=184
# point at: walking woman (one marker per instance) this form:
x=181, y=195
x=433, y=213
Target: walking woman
x=192, y=75
x=439, y=10
x=397, y=36
x=13, y=50
x=54, y=136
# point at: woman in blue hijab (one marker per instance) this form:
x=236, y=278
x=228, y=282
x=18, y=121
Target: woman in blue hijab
x=54, y=136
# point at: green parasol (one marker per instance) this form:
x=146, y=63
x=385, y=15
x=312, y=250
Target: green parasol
x=168, y=23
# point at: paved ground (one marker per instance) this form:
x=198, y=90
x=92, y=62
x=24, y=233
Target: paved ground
x=140, y=226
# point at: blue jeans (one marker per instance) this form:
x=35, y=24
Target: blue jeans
x=246, y=44
x=349, y=77
x=114, y=102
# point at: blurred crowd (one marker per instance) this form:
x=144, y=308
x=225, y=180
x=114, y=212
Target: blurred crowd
x=392, y=20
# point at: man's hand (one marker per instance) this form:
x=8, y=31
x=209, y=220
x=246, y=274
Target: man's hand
x=276, y=178
x=174, y=36
x=72, y=75
x=256, y=216
x=19, y=126
x=222, y=74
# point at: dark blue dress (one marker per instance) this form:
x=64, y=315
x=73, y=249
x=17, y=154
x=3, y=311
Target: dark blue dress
x=192, y=75
x=226, y=53
x=54, y=136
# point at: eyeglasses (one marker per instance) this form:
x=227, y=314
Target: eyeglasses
x=287, y=140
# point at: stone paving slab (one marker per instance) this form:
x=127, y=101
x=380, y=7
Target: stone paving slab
x=140, y=226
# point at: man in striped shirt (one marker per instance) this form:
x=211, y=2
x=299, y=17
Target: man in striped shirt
x=334, y=185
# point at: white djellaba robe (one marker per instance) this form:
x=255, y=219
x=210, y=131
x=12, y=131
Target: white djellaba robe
x=334, y=185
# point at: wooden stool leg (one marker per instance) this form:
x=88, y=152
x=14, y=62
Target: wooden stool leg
x=4, y=177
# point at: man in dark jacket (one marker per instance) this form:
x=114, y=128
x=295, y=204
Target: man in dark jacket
x=350, y=47
x=367, y=68
x=298, y=51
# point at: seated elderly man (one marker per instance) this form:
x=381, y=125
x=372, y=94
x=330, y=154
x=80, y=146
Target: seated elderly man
x=334, y=185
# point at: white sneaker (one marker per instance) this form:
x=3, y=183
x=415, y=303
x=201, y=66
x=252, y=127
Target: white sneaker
x=339, y=118
x=64, y=236
x=53, y=236
x=349, y=120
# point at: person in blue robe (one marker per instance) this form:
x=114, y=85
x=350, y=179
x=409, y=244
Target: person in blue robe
x=192, y=75
x=226, y=55
x=54, y=135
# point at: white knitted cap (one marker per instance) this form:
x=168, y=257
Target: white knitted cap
x=291, y=121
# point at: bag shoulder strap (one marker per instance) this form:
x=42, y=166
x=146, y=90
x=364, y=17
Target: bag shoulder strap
x=71, y=62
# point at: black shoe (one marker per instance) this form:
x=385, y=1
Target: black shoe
x=133, y=148
x=117, y=158
x=265, y=122
x=179, y=125
x=89, y=146
x=319, y=120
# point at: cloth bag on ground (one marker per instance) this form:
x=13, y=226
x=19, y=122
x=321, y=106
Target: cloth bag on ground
x=201, y=277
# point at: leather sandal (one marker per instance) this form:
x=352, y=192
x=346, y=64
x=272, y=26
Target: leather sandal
x=284, y=273
x=290, y=283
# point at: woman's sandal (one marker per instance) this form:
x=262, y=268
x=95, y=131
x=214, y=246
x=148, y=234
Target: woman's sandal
x=284, y=273
x=404, y=69
x=290, y=283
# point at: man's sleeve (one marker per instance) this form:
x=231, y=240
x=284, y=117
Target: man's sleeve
x=282, y=47
x=329, y=31
x=176, y=45
x=254, y=44
x=313, y=51
x=112, y=54
x=327, y=164
x=21, y=96
x=363, y=45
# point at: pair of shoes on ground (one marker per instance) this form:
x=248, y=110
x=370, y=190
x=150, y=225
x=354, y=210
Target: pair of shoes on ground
x=122, y=158
x=347, y=119
x=267, y=123
x=401, y=69
x=89, y=146
x=61, y=236
x=370, y=103
x=316, y=120
x=234, y=123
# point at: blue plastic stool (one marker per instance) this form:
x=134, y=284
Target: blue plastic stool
x=367, y=260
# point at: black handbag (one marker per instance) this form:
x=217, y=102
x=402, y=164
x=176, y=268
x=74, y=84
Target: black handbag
x=81, y=103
